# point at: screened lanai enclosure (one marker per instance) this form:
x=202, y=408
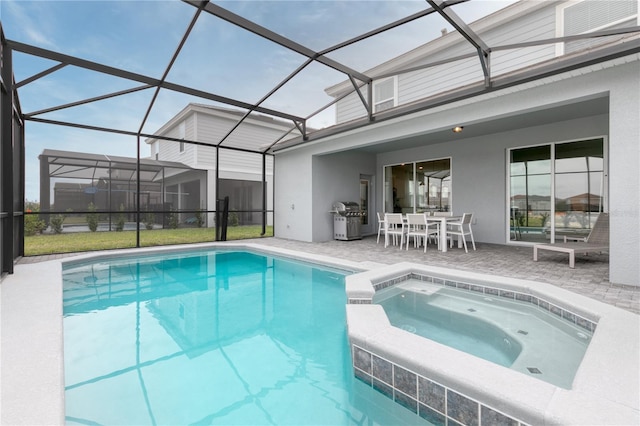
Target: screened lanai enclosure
x=147, y=134
x=95, y=186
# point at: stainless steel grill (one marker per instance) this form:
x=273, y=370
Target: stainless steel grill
x=346, y=220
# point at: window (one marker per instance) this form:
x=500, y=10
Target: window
x=418, y=187
x=365, y=185
x=434, y=185
x=556, y=190
x=181, y=134
x=587, y=16
x=384, y=94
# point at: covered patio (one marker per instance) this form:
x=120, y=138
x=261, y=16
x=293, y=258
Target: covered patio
x=504, y=103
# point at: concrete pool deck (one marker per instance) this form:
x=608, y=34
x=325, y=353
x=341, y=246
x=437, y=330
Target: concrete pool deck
x=31, y=305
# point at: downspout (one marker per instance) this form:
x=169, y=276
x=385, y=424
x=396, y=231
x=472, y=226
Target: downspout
x=109, y=193
x=264, y=194
x=138, y=193
x=217, y=215
x=164, y=197
x=22, y=186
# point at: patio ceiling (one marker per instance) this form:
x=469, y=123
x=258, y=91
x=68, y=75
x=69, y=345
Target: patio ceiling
x=240, y=55
x=577, y=109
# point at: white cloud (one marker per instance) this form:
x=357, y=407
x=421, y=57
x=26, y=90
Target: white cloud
x=29, y=25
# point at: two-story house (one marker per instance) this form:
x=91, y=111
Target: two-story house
x=526, y=105
x=178, y=176
x=226, y=156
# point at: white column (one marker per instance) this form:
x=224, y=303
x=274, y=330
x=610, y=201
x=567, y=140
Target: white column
x=624, y=176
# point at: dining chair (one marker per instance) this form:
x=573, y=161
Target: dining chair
x=461, y=228
x=395, y=227
x=420, y=229
x=381, y=225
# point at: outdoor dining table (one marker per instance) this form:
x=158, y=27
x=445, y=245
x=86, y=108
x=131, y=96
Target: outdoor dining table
x=442, y=220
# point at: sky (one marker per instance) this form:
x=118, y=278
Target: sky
x=141, y=36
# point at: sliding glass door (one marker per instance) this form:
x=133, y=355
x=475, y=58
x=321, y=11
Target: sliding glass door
x=434, y=185
x=579, y=187
x=418, y=187
x=572, y=174
x=399, y=188
x=530, y=190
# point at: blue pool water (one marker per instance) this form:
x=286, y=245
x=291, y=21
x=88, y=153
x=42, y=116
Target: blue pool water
x=218, y=337
x=507, y=332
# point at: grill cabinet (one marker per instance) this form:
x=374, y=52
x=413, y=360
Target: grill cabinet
x=346, y=220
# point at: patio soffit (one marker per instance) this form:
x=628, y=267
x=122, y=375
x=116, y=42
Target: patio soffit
x=363, y=139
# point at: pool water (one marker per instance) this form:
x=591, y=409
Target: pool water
x=216, y=337
x=507, y=332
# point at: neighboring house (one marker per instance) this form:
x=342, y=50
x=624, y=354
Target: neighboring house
x=240, y=172
x=71, y=181
x=547, y=121
x=178, y=176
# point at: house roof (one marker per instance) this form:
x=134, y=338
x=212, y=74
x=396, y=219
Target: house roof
x=82, y=165
x=256, y=119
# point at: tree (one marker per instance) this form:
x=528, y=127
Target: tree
x=199, y=218
x=233, y=219
x=92, y=218
x=32, y=223
x=149, y=220
x=173, y=219
x=120, y=219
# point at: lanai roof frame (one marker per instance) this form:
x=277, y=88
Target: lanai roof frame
x=357, y=78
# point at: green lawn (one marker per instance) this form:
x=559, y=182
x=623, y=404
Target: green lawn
x=89, y=241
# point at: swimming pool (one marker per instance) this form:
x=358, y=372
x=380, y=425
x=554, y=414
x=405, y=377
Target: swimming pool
x=606, y=389
x=510, y=332
x=217, y=336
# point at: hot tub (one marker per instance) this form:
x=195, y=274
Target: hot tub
x=515, y=332
x=441, y=383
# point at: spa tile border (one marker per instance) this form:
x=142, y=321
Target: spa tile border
x=355, y=301
x=428, y=399
x=543, y=304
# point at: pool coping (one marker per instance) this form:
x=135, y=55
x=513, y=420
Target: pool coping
x=31, y=340
x=606, y=388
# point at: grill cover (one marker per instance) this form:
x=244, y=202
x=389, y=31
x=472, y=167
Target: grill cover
x=346, y=208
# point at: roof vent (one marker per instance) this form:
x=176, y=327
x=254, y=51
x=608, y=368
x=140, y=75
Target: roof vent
x=444, y=32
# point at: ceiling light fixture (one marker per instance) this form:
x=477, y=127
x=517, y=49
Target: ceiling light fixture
x=457, y=129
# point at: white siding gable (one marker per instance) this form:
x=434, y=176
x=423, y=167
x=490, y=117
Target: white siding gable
x=528, y=23
x=250, y=135
x=170, y=150
x=351, y=107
